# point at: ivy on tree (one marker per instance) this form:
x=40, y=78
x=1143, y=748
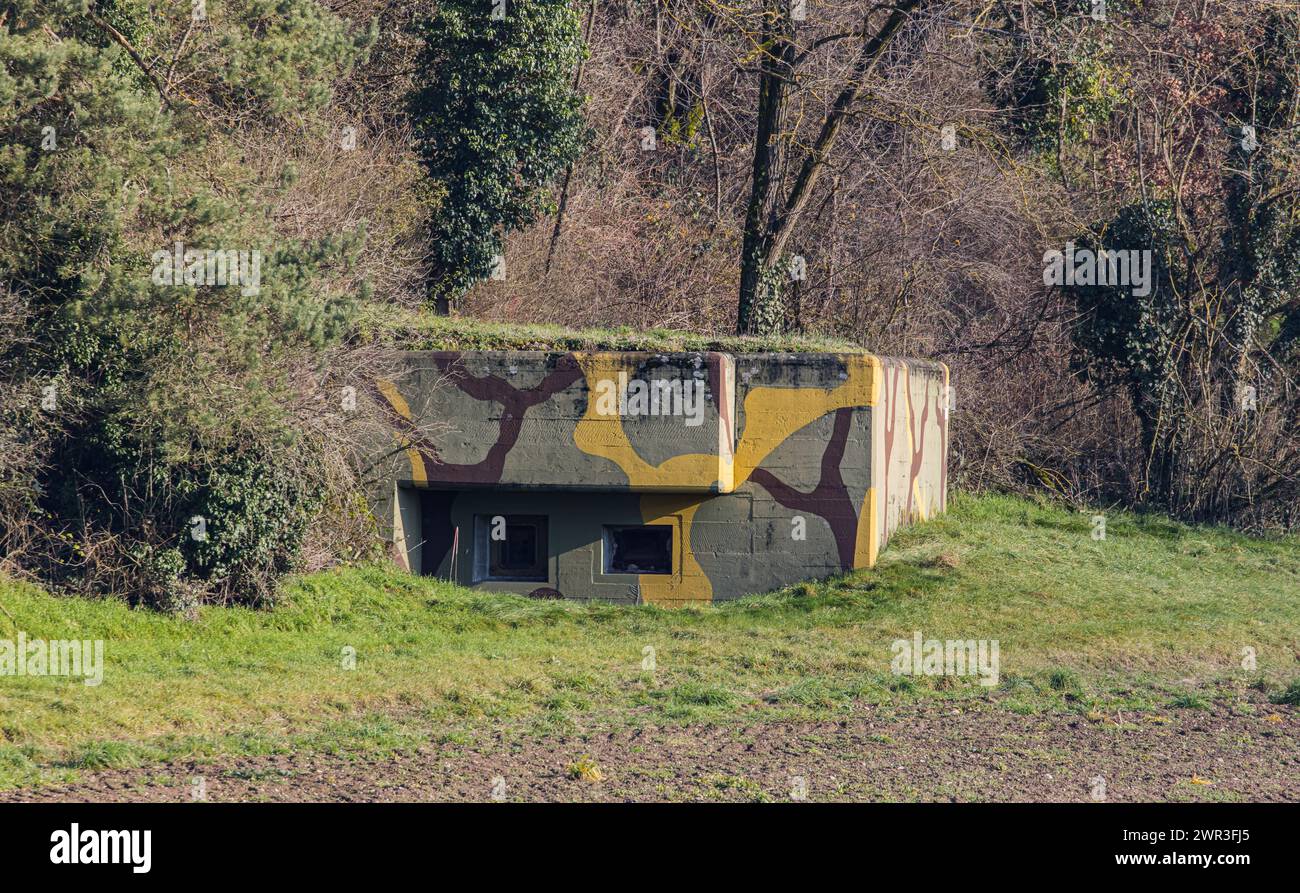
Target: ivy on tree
x=496, y=120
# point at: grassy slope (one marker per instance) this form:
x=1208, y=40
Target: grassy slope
x=1082, y=625
x=424, y=331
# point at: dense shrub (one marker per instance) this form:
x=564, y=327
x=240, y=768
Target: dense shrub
x=248, y=526
x=159, y=398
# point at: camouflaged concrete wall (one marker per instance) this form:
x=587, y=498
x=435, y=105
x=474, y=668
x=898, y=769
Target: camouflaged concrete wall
x=787, y=467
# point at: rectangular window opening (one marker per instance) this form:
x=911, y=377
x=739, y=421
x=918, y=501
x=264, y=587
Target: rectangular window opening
x=639, y=550
x=510, y=547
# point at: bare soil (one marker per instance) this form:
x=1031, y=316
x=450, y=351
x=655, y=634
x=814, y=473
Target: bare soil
x=1240, y=751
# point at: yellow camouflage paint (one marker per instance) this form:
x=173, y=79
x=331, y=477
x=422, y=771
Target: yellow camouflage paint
x=403, y=409
x=771, y=415
x=688, y=582
x=867, y=547
x=606, y=437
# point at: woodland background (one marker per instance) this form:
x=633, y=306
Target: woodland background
x=382, y=155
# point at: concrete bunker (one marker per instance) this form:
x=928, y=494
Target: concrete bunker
x=651, y=477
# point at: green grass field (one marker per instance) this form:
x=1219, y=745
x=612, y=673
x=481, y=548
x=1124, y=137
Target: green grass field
x=1156, y=616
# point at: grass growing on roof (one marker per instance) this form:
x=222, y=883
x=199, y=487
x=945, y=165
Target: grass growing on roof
x=411, y=330
x=1082, y=624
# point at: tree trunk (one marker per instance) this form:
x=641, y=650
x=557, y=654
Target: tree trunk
x=568, y=170
x=759, y=311
x=770, y=219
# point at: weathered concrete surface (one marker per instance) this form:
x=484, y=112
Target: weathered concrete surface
x=537, y=420
x=768, y=468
